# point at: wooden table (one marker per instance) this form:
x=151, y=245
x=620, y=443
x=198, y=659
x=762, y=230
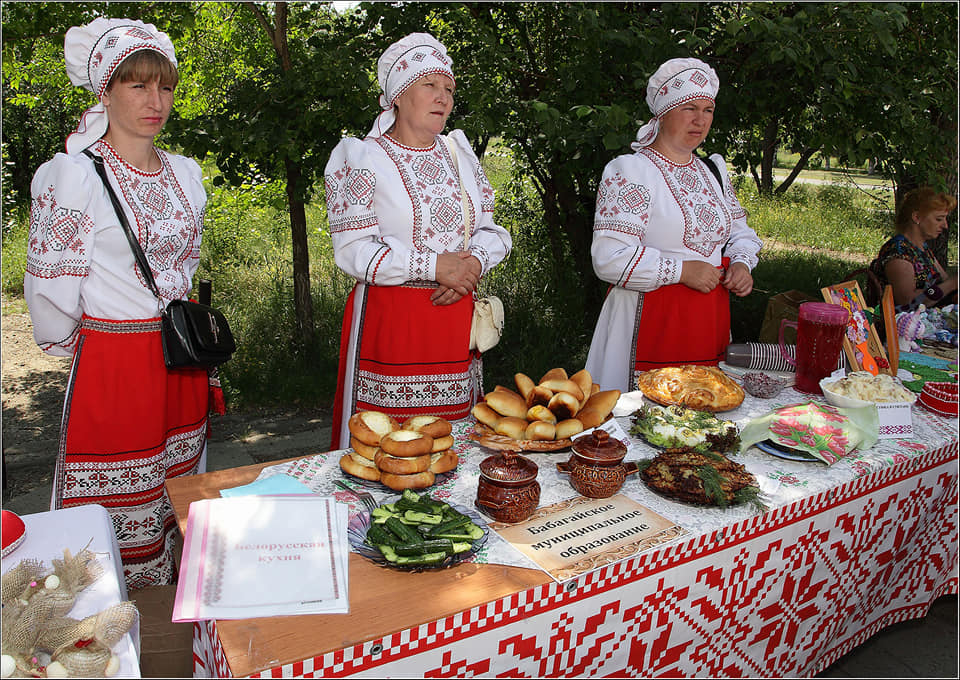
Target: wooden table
x=785, y=593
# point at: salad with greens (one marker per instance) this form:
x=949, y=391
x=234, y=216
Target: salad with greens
x=676, y=427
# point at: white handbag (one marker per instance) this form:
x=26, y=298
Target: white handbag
x=487, y=324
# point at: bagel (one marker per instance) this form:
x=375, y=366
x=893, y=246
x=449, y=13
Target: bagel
x=401, y=466
x=564, y=405
x=507, y=403
x=434, y=426
x=524, y=384
x=421, y=480
x=539, y=396
x=539, y=430
x=567, y=386
x=554, y=374
x=540, y=412
x=362, y=449
x=406, y=443
x=358, y=466
x=370, y=426
x=486, y=415
x=442, y=443
x=568, y=428
x=443, y=461
x=512, y=427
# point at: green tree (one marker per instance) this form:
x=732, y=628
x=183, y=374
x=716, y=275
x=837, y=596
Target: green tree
x=274, y=86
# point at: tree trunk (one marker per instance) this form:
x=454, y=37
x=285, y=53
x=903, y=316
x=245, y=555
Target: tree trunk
x=768, y=156
x=303, y=304
x=801, y=164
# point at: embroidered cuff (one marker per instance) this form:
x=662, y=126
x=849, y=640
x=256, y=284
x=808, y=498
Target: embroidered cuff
x=669, y=271
x=422, y=266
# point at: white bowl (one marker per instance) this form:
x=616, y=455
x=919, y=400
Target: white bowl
x=844, y=401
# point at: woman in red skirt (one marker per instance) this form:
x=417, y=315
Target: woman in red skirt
x=128, y=422
x=670, y=237
x=411, y=218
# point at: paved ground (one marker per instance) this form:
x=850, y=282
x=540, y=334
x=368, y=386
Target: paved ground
x=32, y=397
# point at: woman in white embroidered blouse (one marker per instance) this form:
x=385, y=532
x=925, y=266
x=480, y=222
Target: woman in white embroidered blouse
x=411, y=219
x=128, y=422
x=670, y=237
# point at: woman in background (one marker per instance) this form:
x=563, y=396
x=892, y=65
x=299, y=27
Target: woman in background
x=411, y=219
x=907, y=263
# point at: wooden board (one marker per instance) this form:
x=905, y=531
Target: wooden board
x=849, y=296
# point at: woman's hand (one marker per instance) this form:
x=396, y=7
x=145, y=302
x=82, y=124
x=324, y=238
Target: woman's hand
x=458, y=271
x=444, y=296
x=699, y=275
x=738, y=279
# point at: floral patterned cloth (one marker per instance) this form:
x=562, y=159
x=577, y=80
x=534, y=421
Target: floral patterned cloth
x=781, y=481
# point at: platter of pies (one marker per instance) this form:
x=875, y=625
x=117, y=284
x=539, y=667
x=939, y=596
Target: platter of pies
x=705, y=388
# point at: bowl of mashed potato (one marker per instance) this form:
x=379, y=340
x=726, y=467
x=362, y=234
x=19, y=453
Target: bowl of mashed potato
x=862, y=388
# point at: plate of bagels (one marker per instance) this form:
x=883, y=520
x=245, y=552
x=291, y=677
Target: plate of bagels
x=408, y=456
x=541, y=416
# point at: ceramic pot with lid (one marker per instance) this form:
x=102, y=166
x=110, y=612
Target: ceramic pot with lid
x=507, y=490
x=596, y=467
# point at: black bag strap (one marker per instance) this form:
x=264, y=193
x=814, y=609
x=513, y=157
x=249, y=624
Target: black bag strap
x=713, y=169
x=138, y=253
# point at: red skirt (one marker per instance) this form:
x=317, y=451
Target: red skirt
x=677, y=325
x=404, y=356
x=129, y=424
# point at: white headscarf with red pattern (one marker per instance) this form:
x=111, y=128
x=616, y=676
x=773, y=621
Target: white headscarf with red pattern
x=675, y=82
x=93, y=53
x=400, y=66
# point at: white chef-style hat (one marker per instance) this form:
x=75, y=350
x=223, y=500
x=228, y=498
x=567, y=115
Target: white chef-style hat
x=401, y=65
x=676, y=81
x=93, y=53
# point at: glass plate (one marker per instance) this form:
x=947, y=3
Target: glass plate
x=379, y=486
x=357, y=532
x=786, y=453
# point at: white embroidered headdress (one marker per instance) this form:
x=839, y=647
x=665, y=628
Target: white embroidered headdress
x=93, y=53
x=675, y=82
x=401, y=65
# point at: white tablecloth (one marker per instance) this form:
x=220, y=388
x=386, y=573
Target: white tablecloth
x=87, y=526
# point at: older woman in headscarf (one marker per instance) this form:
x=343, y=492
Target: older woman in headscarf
x=669, y=237
x=411, y=219
x=128, y=422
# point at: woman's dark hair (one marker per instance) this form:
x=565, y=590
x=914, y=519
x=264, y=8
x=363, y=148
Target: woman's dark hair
x=922, y=200
x=145, y=66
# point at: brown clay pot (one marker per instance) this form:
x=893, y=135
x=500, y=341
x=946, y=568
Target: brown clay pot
x=507, y=490
x=596, y=467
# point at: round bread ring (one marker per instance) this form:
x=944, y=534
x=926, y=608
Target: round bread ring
x=421, y=480
x=350, y=465
x=401, y=466
x=434, y=426
x=370, y=426
x=362, y=449
x=406, y=443
x=442, y=443
x=443, y=461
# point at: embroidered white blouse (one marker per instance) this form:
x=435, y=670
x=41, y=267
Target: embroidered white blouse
x=393, y=209
x=79, y=260
x=652, y=214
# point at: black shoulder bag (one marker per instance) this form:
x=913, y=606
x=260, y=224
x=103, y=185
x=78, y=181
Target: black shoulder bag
x=193, y=335
x=714, y=170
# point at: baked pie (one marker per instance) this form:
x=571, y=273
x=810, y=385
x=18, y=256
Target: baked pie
x=705, y=388
x=707, y=478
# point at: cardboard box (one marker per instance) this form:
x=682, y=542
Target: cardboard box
x=166, y=648
x=783, y=306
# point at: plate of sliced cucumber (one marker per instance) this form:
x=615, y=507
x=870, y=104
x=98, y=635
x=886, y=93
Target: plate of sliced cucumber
x=415, y=532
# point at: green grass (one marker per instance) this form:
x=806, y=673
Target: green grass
x=814, y=235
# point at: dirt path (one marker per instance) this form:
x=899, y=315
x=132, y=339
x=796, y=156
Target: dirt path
x=33, y=384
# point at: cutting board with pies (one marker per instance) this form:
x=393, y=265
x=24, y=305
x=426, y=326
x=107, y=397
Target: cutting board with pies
x=541, y=416
x=704, y=388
